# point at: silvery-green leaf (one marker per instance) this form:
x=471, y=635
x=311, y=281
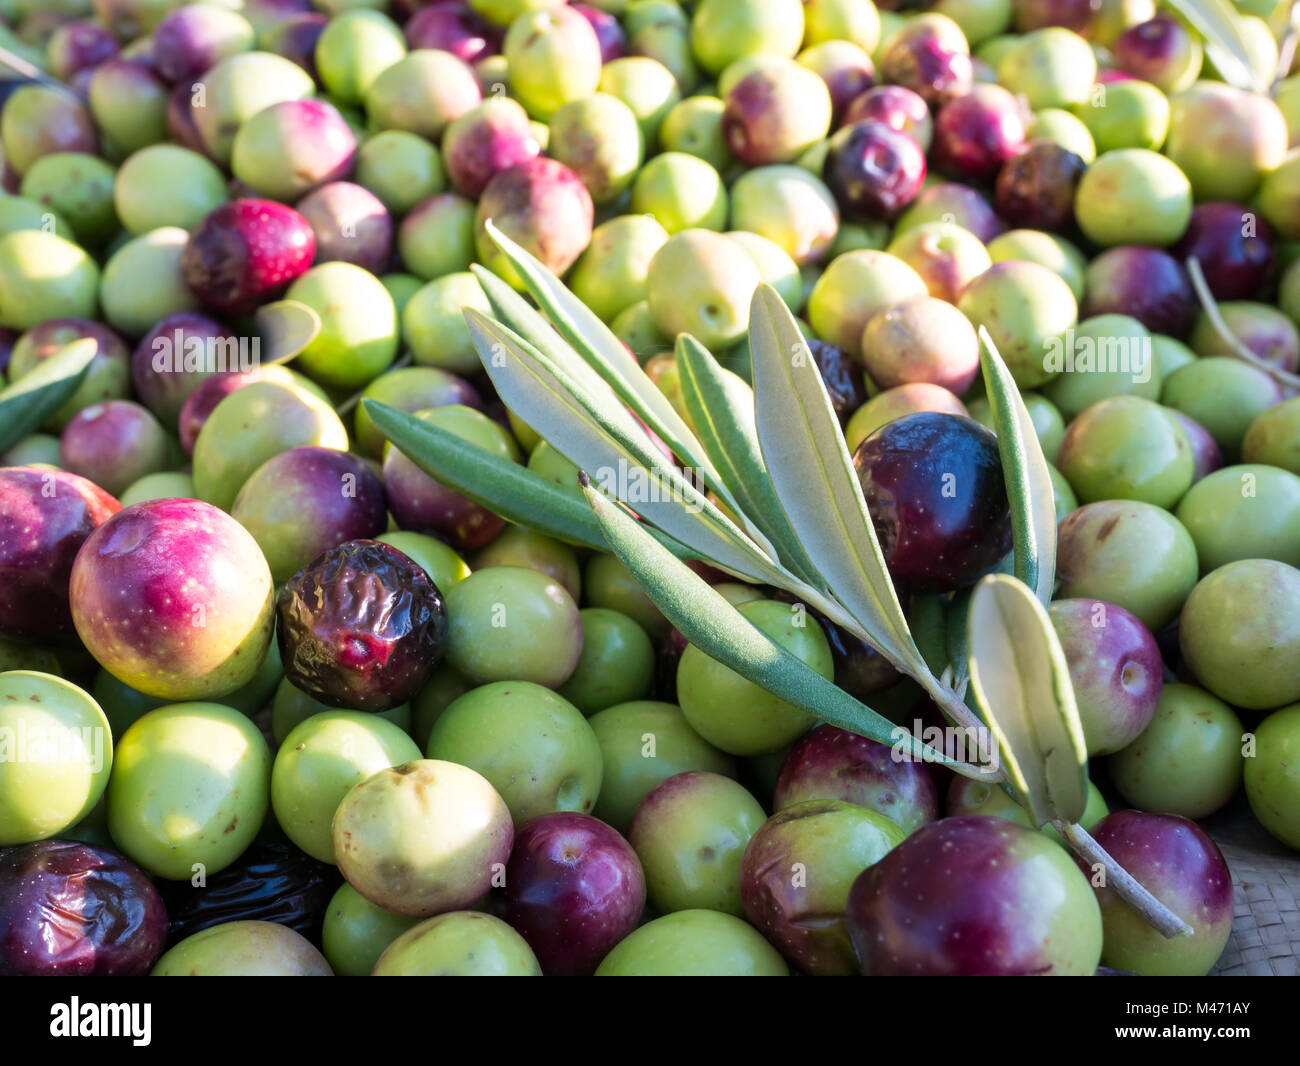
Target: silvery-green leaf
x=814, y=478
x=1217, y=21
x=36, y=395
x=504, y=487
x=721, y=406
x=713, y=625
x=531, y=387
x=1021, y=682
x=1026, y=473
x=596, y=342
x=285, y=327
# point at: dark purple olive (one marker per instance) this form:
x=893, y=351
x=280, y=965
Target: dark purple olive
x=273, y=881
x=362, y=626
x=574, y=889
x=873, y=170
x=68, y=908
x=934, y=488
x=1234, y=247
x=45, y=517
x=841, y=376
x=1144, y=283
x=1035, y=189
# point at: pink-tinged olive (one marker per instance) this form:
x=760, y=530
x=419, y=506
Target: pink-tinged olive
x=933, y=484
x=306, y=501
x=797, y=872
x=422, y=838
x=1263, y=329
x=1225, y=140
x=57, y=756
x=978, y=132
x=79, y=45
x=1181, y=866
x=775, y=113
x=1233, y=246
x=921, y=340
x=930, y=56
x=292, y=147
x=38, y=121
x=193, y=39
x=573, y=889
x=239, y=87
x=613, y=41
x=114, y=444
x=831, y=764
x=487, y=139
x=295, y=39
x=110, y=370
x=243, y=949
x=898, y=108
x=453, y=27
x=175, y=598
x=200, y=403
x=600, y=140
x=73, y=909
x=45, y=517
x=351, y=225
x=946, y=256
x=541, y=205
x=180, y=353
x=1162, y=51
x=873, y=171
x=975, y=896
x=421, y=504
x=245, y=253
x=894, y=403
x=1115, y=669
x=690, y=833
x=361, y=626
x=846, y=69
x=1035, y=188
x=956, y=203
x=694, y=943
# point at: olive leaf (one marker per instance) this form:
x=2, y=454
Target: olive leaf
x=36, y=395
x=588, y=435
x=721, y=406
x=714, y=626
x=596, y=343
x=504, y=487
x=1217, y=21
x=1026, y=473
x=814, y=479
x=1022, y=686
x=285, y=327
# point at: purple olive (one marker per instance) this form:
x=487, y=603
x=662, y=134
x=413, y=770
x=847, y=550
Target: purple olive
x=193, y=39
x=920, y=59
x=245, y=253
x=68, y=908
x=114, y=444
x=486, y=140
x=933, y=484
x=77, y=46
x=1115, y=668
x=830, y=763
x=613, y=41
x=453, y=27
x=351, y=225
x=1144, y=283
x=976, y=133
x=180, y=353
x=898, y=108
x=45, y=517
x=574, y=888
x=841, y=376
x=1035, y=189
x=873, y=171
x=361, y=626
x=1233, y=246
x=295, y=39
x=975, y=896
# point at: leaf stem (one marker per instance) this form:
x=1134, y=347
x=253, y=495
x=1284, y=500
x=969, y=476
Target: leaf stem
x=1157, y=915
x=1231, y=339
